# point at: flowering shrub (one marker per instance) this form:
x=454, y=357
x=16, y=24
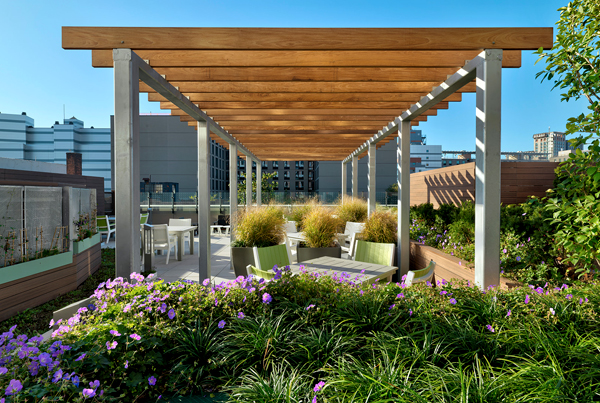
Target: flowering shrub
x=314, y=337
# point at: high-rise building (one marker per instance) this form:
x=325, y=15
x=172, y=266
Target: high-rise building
x=550, y=143
x=292, y=176
x=19, y=139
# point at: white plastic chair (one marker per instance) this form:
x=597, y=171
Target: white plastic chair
x=351, y=231
x=162, y=240
x=420, y=276
x=104, y=227
x=290, y=226
x=181, y=222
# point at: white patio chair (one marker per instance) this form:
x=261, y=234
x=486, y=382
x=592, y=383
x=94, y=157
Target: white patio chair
x=105, y=227
x=162, y=240
x=352, y=230
x=181, y=222
x=290, y=226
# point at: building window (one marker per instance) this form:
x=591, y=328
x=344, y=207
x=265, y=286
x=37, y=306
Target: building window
x=264, y=165
x=286, y=186
x=299, y=164
x=275, y=164
x=286, y=165
x=311, y=165
x=275, y=185
x=311, y=175
x=300, y=175
x=286, y=174
x=276, y=176
x=299, y=185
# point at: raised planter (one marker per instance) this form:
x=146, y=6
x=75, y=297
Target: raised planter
x=87, y=243
x=25, y=269
x=240, y=258
x=305, y=253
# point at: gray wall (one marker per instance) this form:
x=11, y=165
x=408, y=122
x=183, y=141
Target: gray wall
x=330, y=172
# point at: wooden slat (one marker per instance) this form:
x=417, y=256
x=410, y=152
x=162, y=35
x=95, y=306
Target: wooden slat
x=302, y=97
x=301, y=105
x=279, y=111
x=295, y=58
x=306, y=38
x=316, y=86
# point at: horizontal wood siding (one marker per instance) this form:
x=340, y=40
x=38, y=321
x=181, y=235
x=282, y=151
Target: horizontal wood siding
x=447, y=267
x=29, y=292
x=33, y=178
x=455, y=184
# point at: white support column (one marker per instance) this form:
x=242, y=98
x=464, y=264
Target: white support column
x=258, y=184
x=233, y=187
x=248, y=182
x=354, y=176
x=372, y=177
x=403, y=168
x=127, y=163
x=203, y=201
x=344, y=193
x=487, y=170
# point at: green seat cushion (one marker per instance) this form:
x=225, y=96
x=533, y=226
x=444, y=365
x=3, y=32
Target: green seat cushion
x=266, y=274
x=273, y=255
x=372, y=252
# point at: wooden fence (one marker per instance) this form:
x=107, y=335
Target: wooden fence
x=456, y=184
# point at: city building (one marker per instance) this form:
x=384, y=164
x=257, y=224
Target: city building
x=550, y=143
x=20, y=139
x=292, y=176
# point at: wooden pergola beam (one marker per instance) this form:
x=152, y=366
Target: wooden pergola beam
x=316, y=86
x=279, y=112
x=297, y=105
x=306, y=38
x=305, y=58
x=303, y=97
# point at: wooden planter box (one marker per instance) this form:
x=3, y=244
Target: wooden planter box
x=87, y=243
x=447, y=267
x=25, y=269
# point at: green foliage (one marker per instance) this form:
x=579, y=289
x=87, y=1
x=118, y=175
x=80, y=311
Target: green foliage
x=393, y=188
x=320, y=227
x=300, y=210
x=574, y=62
x=381, y=227
x=357, y=342
x=261, y=227
x=267, y=187
x=352, y=210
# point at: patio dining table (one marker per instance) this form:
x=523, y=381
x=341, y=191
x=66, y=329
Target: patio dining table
x=180, y=230
x=358, y=271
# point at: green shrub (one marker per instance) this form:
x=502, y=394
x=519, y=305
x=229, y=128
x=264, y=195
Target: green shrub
x=352, y=210
x=320, y=227
x=261, y=227
x=381, y=227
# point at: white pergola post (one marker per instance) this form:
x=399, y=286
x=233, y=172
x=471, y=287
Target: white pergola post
x=344, y=195
x=354, y=176
x=127, y=163
x=233, y=187
x=203, y=201
x=403, y=171
x=248, y=182
x=487, y=170
x=372, y=175
x=258, y=184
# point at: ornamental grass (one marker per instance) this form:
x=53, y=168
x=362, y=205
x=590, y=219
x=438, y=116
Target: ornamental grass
x=315, y=338
x=259, y=226
x=320, y=227
x=352, y=210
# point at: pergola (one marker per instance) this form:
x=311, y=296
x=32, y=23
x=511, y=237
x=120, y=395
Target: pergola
x=307, y=94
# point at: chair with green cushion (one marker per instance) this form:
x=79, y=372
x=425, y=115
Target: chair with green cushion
x=420, y=276
x=104, y=227
x=377, y=253
x=266, y=258
x=143, y=218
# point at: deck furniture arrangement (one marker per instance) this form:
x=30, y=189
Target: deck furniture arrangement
x=358, y=271
x=220, y=229
x=266, y=258
x=180, y=231
x=182, y=222
x=105, y=227
x=422, y=275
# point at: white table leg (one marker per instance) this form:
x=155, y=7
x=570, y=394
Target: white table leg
x=180, y=245
x=191, y=242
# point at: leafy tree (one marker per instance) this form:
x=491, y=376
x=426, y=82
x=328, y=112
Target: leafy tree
x=393, y=188
x=267, y=187
x=574, y=65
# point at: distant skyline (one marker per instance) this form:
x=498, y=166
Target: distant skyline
x=39, y=77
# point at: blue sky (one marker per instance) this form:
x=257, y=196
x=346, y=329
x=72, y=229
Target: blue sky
x=37, y=76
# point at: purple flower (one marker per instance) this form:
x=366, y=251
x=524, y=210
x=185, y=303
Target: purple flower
x=241, y=315
x=391, y=307
x=490, y=328
x=310, y=306
x=527, y=298
x=3, y=370
x=57, y=375
x=111, y=346
x=569, y=296
x=95, y=384
x=410, y=312
x=518, y=258
x=267, y=298
x=319, y=386
x=81, y=357
x=126, y=364
x=45, y=359
x=452, y=301
x=75, y=381
x=552, y=311
x=115, y=333
x=135, y=336
x=171, y=314
x=13, y=387
x=88, y=393
x=221, y=324
x=314, y=399
x=401, y=295
x=152, y=381
x=508, y=313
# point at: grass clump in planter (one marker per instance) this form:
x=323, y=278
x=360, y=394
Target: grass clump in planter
x=381, y=227
x=352, y=210
x=260, y=227
x=300, y=211
x=320, y=227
